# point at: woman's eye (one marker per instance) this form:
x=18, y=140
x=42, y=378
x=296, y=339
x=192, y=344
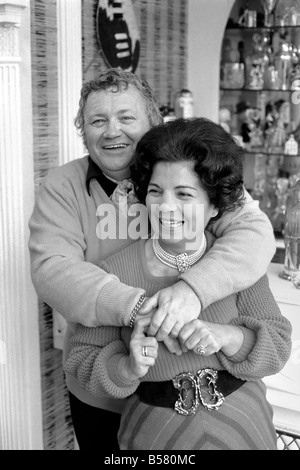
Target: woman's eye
x=152, y=191
x=186, y=195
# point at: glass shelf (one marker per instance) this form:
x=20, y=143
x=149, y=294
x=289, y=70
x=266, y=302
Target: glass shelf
x=257, y=91
x=264, y=152
x=259, y=28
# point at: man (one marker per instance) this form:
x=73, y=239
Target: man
x=115, y=110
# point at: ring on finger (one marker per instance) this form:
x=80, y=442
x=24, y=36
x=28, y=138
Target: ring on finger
x=200, y=349
x=145, y=351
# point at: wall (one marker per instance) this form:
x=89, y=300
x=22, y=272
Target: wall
x=162, y=63
x=162, y=26
x=57, y=428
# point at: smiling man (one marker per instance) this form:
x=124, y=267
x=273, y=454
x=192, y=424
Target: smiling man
x=66, y=245
x=114, y=122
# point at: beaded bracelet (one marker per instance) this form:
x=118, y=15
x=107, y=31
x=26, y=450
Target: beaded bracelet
x=135, y=310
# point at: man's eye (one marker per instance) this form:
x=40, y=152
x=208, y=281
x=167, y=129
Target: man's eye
x=97, y=122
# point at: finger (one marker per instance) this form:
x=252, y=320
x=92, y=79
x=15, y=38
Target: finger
x=156, y=321
x=149, y=304
x=194, y=341
x=165, y=328
x=202, y=340
x=140, y=326
x=187, y=330
x=173, y=345
x=175, y=330
x=149, y=352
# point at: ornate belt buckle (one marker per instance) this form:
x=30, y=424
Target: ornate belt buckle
x=210, y=398
x=195, y=389
x=188, y=400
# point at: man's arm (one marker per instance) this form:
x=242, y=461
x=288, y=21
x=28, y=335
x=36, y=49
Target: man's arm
x=241, y=254
x=79, y=290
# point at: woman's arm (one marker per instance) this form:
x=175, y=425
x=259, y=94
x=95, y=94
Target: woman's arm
x=259, y=312
x=100, y=361
x=94, y=354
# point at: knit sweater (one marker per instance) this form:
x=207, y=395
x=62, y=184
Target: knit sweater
x=95, y=352
x=65, y=247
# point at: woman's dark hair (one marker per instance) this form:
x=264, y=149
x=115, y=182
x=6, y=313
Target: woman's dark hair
x=215, y=154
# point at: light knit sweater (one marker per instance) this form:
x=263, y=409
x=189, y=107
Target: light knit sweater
x=95, y=352
x=65, y=248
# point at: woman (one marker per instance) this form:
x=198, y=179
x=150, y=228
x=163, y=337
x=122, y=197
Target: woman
x=188, y=173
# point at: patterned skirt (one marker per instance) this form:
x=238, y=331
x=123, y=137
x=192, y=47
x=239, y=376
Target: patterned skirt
x=243, y=422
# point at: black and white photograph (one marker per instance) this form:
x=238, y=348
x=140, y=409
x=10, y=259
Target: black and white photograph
x=149, y=228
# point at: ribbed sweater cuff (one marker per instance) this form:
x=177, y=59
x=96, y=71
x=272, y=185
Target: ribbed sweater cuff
x=204, y=283
x=117, y=300
x=113, y=368
x=247, y=346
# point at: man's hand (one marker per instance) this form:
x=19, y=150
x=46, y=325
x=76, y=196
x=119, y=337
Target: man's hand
x=147, y=311
x=176, y=305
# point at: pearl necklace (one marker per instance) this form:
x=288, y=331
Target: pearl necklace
x=181, y=262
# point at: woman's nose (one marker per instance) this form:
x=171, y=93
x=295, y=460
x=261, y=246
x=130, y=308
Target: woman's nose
x=168, y=204
x=112, y=129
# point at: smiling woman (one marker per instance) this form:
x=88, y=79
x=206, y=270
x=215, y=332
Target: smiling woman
x=207, y=394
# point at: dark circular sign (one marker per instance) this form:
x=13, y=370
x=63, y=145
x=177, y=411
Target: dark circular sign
x=117, y=33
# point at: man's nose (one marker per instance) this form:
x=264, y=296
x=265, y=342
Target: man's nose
x=113, y=129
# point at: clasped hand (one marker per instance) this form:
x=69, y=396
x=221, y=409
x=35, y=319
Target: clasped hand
x=144, y=348
x=170, y=309
x=173, y=315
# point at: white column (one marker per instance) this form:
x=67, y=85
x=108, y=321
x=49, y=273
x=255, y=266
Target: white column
x=206, y=26
x=69, y=77
x=20, y=388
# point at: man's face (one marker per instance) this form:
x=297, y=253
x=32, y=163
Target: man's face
x=114, y=123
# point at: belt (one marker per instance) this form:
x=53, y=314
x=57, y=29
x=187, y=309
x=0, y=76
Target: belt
x=186, y=391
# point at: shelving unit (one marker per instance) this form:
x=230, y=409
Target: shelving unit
x=260, y=91
x=264, y=166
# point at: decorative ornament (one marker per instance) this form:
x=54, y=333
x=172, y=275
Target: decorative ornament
x=181, y=262
x=118, y=34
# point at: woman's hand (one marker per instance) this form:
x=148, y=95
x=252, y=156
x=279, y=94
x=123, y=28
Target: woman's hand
x=207, y=338
x=143, y=352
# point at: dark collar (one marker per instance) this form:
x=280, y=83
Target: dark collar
x=94, y=172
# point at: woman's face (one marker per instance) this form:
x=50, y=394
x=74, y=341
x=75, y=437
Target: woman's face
x=114, y=123
x=179, y=207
